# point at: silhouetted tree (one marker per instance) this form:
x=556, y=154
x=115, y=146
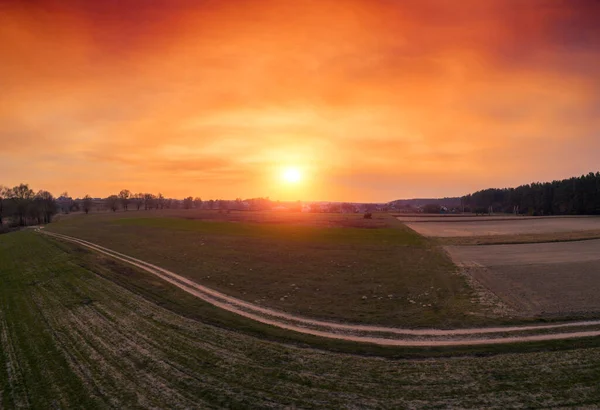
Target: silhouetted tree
x=188, y=202
x=124, y=198
x=149, y=201
x=112, y=203
x=86, y=203
x=24, y=206
x=577, y=195
x=198, y=203
x=138, y=200
x=21, y=196
x=45, y=206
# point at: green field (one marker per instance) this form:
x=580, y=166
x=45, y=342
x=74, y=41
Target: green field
x=337, y=267
x=77, y=330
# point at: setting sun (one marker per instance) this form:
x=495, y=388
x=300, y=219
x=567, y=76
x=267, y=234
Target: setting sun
x=291, y=175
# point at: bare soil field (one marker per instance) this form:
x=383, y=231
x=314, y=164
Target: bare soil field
x=504, y=226
x=541, y=279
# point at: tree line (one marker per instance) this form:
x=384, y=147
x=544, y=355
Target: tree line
x=21, y=206
x=126, y=200
x=573, y=196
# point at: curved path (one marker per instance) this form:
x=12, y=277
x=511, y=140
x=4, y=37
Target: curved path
x=358, y=333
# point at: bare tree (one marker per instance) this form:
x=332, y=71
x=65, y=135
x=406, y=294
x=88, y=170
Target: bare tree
x=160, y=201
x=112, y=202
x=124, y=198
x=87, y=203
x=149, y=201
x=138, y=200
x=45, y=206
x=21, y=196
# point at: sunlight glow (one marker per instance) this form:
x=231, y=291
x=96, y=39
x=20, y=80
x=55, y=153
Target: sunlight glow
x=291, y=175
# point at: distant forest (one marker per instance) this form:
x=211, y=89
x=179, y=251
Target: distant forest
x=573, y=196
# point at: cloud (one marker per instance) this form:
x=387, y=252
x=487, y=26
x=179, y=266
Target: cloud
x=181, y=97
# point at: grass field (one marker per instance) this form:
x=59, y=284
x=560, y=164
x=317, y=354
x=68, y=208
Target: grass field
x=77, y=330
x=379, y=273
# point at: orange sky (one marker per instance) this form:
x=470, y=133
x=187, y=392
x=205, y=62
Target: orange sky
x=373, y=100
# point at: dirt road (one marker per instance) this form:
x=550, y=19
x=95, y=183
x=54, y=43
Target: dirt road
x=357, y=333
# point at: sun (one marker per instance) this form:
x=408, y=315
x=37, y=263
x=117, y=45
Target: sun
x=291, y=175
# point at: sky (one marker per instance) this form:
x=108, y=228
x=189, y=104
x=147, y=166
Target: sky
x=369, y=100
